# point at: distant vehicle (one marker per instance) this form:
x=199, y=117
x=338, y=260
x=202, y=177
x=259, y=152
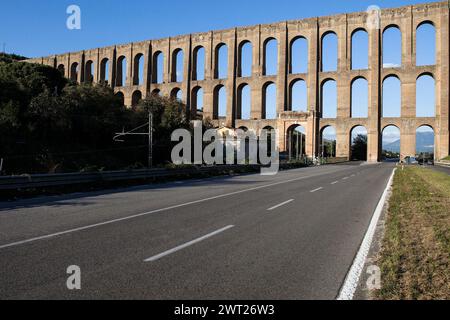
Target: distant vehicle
x=411, y=160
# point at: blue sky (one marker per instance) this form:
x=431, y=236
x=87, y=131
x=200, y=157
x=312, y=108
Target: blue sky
x=38, y=28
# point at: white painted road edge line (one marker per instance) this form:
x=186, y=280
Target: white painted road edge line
x=280, y=205
x=315, y=190
x=91, y=226
x=351, y=281
x=187, y=244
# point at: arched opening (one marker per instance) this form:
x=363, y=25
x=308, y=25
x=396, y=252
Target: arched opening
x=158, y=67
x=74, y=71
x=136, y=98
x=329, y=56
x=329, y=99
x=220, y=102
x=62, y=69
x=328, y=140
x=197, y=100
x=89, y=72
x=296, y=142
x=221, y=61
x=104, y=71
x=426, y=44
x=121, y=76
x=358, y=143
x=298, y=62
x=176, y=94
x=138, y=72
x=270, y=57
x=198, y=67
x=246, y=145
x=298, y=96
x=425, y=144
x=390, y=144
x=392, y=47
x=271, y=135
x=360, y=98
x=392, y=97
x=121, y=98
x=269, y=101
x=177, y=65
x=156, y=92
x=360, y=50
x=245, y=59
x=243, y=102
x=425, y=96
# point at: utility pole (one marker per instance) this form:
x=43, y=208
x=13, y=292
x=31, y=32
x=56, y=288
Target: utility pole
x=150, y=139
x=149, y=134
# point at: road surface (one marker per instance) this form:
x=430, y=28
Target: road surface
x=289, y=236
x=440, y=169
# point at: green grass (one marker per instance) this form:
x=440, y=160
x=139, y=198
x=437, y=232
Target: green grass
x=446, y=158
x=415, y=255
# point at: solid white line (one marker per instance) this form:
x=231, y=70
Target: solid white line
x=335, y=182
x=351, y=281
x=315, y=190
x=187, y=244
x=280, y=205
x=155, y=211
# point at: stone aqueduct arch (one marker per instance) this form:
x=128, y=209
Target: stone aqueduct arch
x=407, y=19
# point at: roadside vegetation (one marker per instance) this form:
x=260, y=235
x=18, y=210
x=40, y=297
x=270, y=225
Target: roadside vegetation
x=447, y=158
x=415, y=255
x=51, y=124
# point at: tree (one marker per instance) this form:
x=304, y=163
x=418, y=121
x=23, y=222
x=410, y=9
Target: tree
x=168, y=115
x=359, y=148
x=49, y=123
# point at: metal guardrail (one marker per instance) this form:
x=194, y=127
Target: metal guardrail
x=24, y=182
x=62, y=179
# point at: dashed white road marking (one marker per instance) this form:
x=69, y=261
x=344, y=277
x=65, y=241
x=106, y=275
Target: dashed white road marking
x=134, y=216
x=315, y=190
x=187, y=244
x=335, y=182
x=280, y=205
x=346, y=178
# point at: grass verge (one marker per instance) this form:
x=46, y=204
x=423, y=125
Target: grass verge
x=415, y=254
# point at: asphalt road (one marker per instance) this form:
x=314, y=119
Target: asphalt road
x=289, y=236
x=440, y=169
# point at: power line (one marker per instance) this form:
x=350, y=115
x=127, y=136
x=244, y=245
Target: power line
x=149, y=134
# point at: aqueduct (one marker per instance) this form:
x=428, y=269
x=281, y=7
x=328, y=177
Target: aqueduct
x=210, y=68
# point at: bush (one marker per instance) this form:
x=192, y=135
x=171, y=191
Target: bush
x=50, y=124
